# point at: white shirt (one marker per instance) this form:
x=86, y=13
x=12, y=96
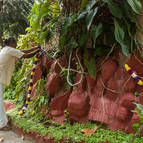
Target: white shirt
x=7, y=63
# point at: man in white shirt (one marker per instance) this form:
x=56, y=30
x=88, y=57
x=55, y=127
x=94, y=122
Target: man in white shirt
x=8, y=56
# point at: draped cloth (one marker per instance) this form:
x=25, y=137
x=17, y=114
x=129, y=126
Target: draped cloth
x=3, y=118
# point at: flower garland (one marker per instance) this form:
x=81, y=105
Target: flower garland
x=30, y=86
x=133, y=74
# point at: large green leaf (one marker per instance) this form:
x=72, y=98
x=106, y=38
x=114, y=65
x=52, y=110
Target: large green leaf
x=65, y=28
x=135, y=5
x=125, y=49
x=87, y=9
x=128, y=12
x=83, y=39
x=90, y=17
x=119, y=36
x=90, y=5
x=90, y=64
x=139, y=26
x=71, y=44
x=43, y=12
x=95, y=32
x=91, y=67
x=118, y=32
x=81, y=15
x=83, y=4
x=140, y=107
x=114, y=9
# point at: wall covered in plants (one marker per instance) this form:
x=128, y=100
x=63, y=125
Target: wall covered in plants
x=81, y=74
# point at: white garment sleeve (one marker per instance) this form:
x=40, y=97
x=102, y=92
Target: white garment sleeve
x=15, y=52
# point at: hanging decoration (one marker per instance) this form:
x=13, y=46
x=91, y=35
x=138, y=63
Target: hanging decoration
x=133, y=74
x=30, y=86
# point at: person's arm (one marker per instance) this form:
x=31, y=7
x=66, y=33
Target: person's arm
x=29, y=55
x=30, y=50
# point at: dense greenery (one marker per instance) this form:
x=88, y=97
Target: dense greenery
x=71, y=133
x=103, y=26
x=13, y=17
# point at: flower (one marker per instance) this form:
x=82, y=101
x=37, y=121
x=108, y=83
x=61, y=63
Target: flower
x=133, y=74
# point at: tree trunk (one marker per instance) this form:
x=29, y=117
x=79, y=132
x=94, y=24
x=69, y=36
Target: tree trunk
x=71, y=6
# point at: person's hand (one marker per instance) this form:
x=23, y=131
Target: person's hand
x=38, y=48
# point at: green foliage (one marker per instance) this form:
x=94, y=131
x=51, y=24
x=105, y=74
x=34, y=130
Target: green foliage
x=90, y=16
x=83, y=4
x=114, y=9
x=138, y=126
x=27, y=123
x=139, y=111
x=13, y=18
x=71, y=133
x=119, y=36
x=82, y=39
x=90, y=12
x=43, y=18
x=119, y=31
x=78, y=28
x=38, y=104
x=95, y=32
x=90, y=64
x=66, y=25
x=72, y=44
x=135, y=5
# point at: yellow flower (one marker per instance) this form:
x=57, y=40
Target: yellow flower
x=127, y=67
x=30, y=88
x=36, y=59
x=140, y=82
x=27, y=102
x=32, y=73
x=20, y=113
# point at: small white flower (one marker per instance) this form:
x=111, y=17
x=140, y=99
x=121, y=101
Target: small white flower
x=133, y=75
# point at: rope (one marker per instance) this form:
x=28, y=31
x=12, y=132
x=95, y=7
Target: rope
x=138, y=60
x=106, y=57
x=81, y=72
x=126, y=82
x=114, y=91
x=68, y=71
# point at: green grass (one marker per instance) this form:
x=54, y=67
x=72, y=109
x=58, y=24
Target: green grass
x=71, y=133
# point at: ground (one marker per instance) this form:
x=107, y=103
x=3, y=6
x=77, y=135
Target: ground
x=11, y=137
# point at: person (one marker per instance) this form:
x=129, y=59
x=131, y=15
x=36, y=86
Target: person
x=8, y=56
